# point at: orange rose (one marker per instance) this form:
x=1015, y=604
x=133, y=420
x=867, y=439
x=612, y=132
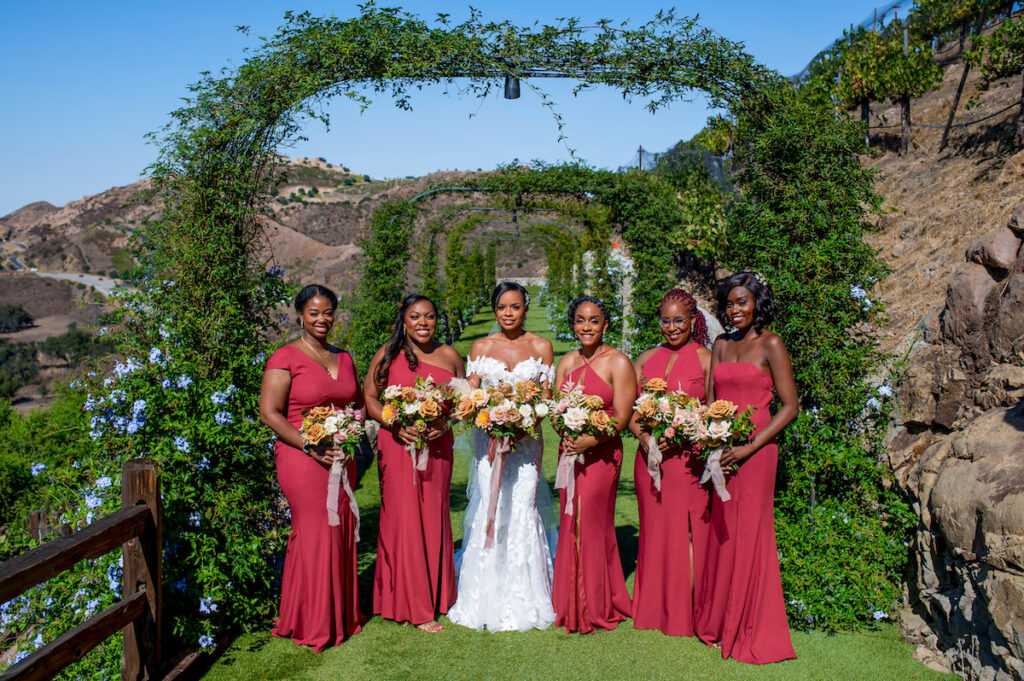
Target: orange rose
x=315, y=433
x=593, y=401
x=657, y=385
x=408, y=394
x=600, y=420
x=320, y=412
x=464, y=409
x=506, y=389
x=388, y=414
x=647, y=409
x=721, y=409
x=429, y=409
x=513, y=416
x=527, y=390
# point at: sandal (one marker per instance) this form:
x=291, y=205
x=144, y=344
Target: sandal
x=432, y=627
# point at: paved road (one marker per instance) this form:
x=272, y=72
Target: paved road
x=104, y=285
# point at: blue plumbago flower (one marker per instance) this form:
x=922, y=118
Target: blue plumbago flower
x=91, y=606
x=193, y=518
x=114, y=573
x=91, y=403
x=259, y=359
x=95, y=433
x=206, y=641
x=207, y=606
x=121, y=370
x=180, y=585
x=223, y=418
x=49, y=602
x=134, y=425
x=109, y=381
x=167, y=384
x=156, y=356
x=75, y=384
x=104, y=482
x=858, y=292
x=103, y=331
x=873, y=403
x=38, y=468
x=182, y=445
x=276, y=271
x=92, y=501
x=117, y=396
x=184, y=381
x=164, y=333
x=880, y=615
x=203, y=464
x=20, y=656
x=138, y=407
x=223, y=397
x=885, y=391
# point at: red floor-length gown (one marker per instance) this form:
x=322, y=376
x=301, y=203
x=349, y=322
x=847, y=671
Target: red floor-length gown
x=415, y=575
x=671, y=519
x=319, y=590
x=589, y=590
x=742, y=606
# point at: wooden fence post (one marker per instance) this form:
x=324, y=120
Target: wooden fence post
x=37, y=524
x=140, y=483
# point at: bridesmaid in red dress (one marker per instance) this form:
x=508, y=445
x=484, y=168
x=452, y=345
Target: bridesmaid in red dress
x=742, y=609
x=319, y=592
x=589, y=588
x=414, y=579
x=673, y=521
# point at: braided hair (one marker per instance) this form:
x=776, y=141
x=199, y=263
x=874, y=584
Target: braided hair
x=398, y=341
x=764, y=300
x=700, y=326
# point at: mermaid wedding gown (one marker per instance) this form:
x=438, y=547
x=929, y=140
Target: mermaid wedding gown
x=507, y=587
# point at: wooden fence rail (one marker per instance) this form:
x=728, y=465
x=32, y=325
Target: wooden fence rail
x=136, y=529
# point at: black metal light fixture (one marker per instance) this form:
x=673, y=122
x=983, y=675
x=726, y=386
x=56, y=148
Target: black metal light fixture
x=511, y=86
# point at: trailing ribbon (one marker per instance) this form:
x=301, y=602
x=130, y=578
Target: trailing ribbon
x=338, y=478
x=713, y=472
x=419, y=459
x=565, y=478
x=654, y=460
x=496, y=451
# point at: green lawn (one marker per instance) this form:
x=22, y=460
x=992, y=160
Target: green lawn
x=385, y=650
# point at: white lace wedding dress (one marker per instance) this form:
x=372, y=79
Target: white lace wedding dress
x=506, y=587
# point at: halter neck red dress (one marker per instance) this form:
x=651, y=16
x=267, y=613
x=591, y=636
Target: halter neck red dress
x=414, y=579
x=742, y=606
x=675, y=517
x=589, y=590
x=319, y=589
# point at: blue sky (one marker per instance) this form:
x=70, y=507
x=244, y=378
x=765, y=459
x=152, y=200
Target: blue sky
x=81, y=84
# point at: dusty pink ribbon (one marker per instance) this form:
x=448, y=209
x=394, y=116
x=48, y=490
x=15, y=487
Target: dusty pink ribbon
x=419, y=459
x=496, y=451
x=713, y=472
x=565, y=478
x=653, y=460
x=338, y=478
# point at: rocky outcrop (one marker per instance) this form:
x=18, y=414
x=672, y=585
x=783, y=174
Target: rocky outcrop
x=958, y=454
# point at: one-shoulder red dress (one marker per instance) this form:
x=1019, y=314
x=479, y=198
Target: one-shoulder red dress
x=742, y=605
x=319, y=590
x=589, y=590
x=674, y=519
x=414, y=578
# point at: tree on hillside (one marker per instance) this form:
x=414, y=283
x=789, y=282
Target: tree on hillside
x=14, y=318
x=1001, y=55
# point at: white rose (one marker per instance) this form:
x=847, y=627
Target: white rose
x=541, y=410
x=526, y=411
x=331, y=425
x=719, y=429
x=392, y=391
x=411, y=408
x=528, y=422
x=479, y=397
x=575, y=418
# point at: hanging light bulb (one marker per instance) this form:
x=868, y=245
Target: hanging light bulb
x=511, y=87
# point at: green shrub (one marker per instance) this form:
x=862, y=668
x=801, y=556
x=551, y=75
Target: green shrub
x=14, y=318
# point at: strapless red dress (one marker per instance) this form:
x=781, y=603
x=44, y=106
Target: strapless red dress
x=742, y=606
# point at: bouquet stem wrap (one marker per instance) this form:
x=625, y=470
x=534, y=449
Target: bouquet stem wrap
x=419, y=453
x=337, y=479
x=653, y=460
x=713, y=472
x=565, y=478
x=496, y=451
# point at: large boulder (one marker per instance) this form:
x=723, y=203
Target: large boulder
x=1007, y=328
x=966, y=296
x=969, y=489
x=997, y=249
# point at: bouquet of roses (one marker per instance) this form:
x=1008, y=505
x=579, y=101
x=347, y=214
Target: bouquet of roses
x=339, y=429
x=415, y=406
x=724, y=427
x=673, y=415
x=576, y=413
x=505, y=411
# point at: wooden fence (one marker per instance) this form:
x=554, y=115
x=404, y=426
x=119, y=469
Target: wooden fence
x=136, y=529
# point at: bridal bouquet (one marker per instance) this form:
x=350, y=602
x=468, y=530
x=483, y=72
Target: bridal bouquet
x=505, y=411
x=415, y=406
x=339, y=429
x=723, y=428
x=674, y=415
x=575, y=413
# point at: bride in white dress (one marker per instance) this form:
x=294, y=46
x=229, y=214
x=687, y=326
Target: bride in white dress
x=507, y=587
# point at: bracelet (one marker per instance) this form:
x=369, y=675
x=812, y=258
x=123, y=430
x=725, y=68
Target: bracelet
x=307, y=447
